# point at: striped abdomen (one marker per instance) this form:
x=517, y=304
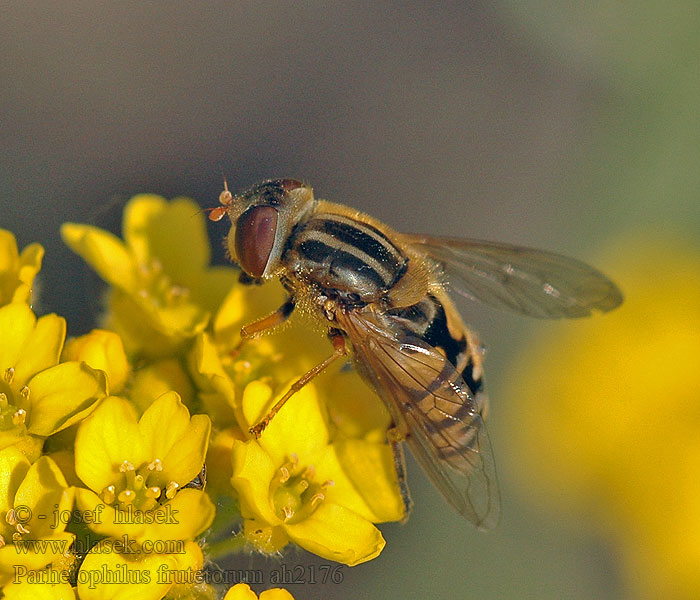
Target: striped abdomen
x=451, y=399
x=350, y=260
x=428, y=321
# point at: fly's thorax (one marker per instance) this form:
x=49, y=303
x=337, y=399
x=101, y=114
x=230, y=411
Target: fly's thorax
x=262, y=220
x=345, y=258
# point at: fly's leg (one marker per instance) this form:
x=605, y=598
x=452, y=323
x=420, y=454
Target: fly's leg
x=395, y=438
x=339, y=351
x=271, y=321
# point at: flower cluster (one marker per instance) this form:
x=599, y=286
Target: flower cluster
x=125, y=453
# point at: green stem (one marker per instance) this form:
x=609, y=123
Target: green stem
x=227, y=546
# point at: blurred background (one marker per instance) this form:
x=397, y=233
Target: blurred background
x=567, y=126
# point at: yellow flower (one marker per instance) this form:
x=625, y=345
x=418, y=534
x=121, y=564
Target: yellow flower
x=17, y=271
x=163, y=291
x=101, y=350
x=620, y=423
x=31, y=538
x=242, y=591
x=136, y=470
x=38, y=396
x=295, y=485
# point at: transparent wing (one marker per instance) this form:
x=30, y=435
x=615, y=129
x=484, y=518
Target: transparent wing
x=533, y=282
x=431, y=405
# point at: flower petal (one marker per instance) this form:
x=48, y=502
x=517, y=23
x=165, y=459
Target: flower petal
x=103, y=350
x=299, y=428
x=210, y=286
x=180, y=442
x=63, y=395
x=213, y=383
x=364, y=479
x=185, y=459
x=156, y=378
x=30, y=264
x=39, y=590
x=339, y=534
x=276, y=594
x=9, y=256
x=13, y=469
x=149, y=225
x=37, y=553
x=104, y=252
x=184, y=517
x=107, y=575
x=17, y=322
x=240, y=591
x=105, y=440
x=354, y=408
x=371, y=469
x=41, y=349
x=17, y=272
x=44, y=491
x=253, y=470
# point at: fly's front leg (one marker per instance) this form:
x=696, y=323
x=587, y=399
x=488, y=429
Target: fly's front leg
x=339, y=351
x=260, y=326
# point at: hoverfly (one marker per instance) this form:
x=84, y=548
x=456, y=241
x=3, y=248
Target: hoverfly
x=383, y=298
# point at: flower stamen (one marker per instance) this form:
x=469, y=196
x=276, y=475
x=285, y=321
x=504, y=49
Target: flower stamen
x=109, y=494
x=153, y=492
x=126, y=496
x=155, y=465
x=171, y=490
x=19, y=417
x=126, y=467
x=285, y=475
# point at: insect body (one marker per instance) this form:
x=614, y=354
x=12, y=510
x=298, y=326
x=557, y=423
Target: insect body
x=383, y=298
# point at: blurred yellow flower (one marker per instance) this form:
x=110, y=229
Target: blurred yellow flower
x=39, y=396
x=163, y=291
x=293, y=484
x=242, y=591
x=31, y=539
x=607, y=421
x=134, y=470
x=156, y=378
x=17, y=271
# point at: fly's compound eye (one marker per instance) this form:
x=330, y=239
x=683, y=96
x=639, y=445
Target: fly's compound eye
x=255, y=238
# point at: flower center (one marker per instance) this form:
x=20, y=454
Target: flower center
x=133, y=492
x=11, y=416
x=158, y=288
x=295, y=493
